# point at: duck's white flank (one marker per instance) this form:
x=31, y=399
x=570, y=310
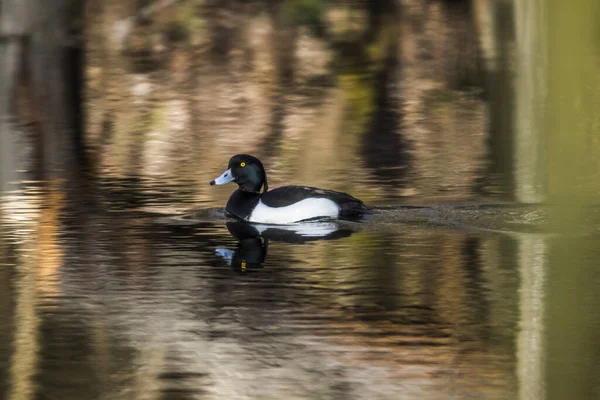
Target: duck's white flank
x=304, y=209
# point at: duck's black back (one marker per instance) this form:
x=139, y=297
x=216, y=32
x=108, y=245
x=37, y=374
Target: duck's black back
x=287, y=195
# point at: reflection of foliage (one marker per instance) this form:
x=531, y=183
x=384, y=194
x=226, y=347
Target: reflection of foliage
x=155, y=119
x=438, y=98
x=314, y=106
x=384, y=41
x=359, y=101
x=305, y=12
x=359, y=64
x=186, y=21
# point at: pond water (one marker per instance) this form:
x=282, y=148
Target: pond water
x=121, y=278
x=104, y=296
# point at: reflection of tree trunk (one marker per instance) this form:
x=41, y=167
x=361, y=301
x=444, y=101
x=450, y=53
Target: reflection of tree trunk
x=7, y=308
x=39, y=42
x=384, y=146
x=567, y=90
x=284, y=39
x=530, y=81
x=11, y=49
x=284, y=44
x=532, y=256
x=25, y=340
x=219, y=24
x=494, y=21
x=225, y=19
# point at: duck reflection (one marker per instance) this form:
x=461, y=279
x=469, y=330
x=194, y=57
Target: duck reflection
x=253, y=240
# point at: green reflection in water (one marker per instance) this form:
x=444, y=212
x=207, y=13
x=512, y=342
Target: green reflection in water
x=573, y=98
x=305, y=12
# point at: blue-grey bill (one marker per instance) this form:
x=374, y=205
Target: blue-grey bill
x=226, y=177
x=227, y=254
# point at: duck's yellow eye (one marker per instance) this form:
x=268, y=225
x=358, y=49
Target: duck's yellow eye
x=242, y=164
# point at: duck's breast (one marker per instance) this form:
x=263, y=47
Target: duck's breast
x=242, y=203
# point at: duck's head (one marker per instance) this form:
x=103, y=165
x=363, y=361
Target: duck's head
x=246, y=171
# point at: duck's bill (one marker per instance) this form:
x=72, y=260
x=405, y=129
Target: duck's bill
x=226, y=254
x=223, y=179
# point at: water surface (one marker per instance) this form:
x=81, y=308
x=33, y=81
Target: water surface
x=107, y=292
x=106, y=297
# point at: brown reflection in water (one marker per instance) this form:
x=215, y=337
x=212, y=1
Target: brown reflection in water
x=130, y=308
x=38, y=287
x=25, y=336
x=7, y=308
x=383, y=102
x=32, y=280
x=143, y=310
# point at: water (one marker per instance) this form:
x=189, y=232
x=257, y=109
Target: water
x=120, y=277
x=107, y=293
x=103, y=298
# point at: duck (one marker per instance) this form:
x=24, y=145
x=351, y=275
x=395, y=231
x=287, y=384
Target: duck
x=254, y=202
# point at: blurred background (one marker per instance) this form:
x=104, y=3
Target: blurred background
x=114, y=114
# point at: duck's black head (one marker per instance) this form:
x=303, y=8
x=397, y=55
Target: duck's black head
x=245, y=170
